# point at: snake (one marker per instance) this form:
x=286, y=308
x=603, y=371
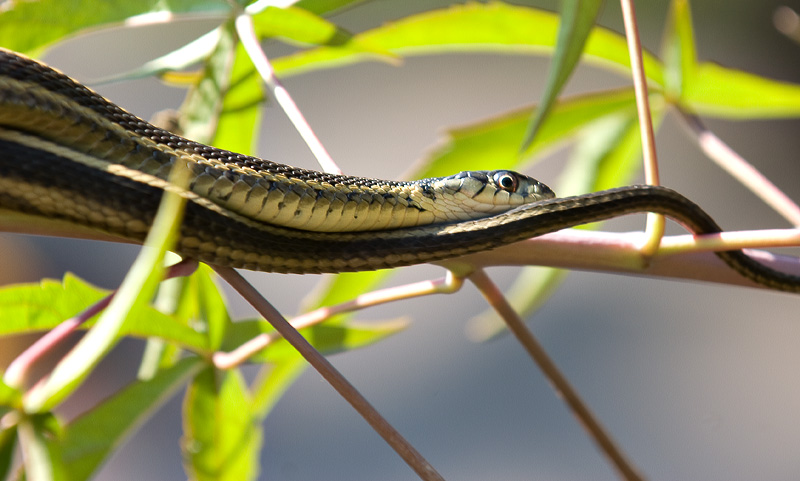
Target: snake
x=68, y=154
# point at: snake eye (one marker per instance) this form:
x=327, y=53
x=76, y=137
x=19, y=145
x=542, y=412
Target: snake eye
x=506, y=180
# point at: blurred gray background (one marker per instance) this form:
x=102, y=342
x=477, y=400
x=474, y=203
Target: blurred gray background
x=694, y=381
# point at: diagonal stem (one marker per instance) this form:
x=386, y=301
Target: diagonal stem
x=559, y=382
x=402, y=447
x=247, y=35
x=740, y=169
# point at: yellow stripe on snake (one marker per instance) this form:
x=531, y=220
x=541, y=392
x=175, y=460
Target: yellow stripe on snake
x=67, y=153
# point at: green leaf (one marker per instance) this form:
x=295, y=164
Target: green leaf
x=221, y=438
x=493, y=143
x=474, y=27
x=327, y=339
x=29, y=27
x=91, y=438
x=678, y=49
x=202, y=302
x=44, y=305
x=727, y=93
x=577, y=20
x=136, y=289
x=298, y=26
x=8, y=441
x=41, y=306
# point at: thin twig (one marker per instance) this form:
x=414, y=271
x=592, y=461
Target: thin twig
x=446, y=285
x=741, y=170
x=559, y=382
x=729, y=240
x=655, y=222
x=244, y=27
x=402, y=447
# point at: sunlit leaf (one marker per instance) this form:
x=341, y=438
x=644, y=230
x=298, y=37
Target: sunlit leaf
x=86, y=446
x=29, y=27
x=474, y=27
x=298, y=26
x=734, y=94
x=44, y=305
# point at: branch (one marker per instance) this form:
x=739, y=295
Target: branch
x=619, y=253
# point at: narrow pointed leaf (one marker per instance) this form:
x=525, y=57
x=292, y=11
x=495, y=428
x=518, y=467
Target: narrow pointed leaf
x=577, y=19
x=678, y=49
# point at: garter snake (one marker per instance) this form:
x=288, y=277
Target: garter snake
x=67, y=153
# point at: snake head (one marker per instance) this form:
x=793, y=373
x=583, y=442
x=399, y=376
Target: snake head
x=500, y=189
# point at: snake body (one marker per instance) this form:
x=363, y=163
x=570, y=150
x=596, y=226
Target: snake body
x=67, y=153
